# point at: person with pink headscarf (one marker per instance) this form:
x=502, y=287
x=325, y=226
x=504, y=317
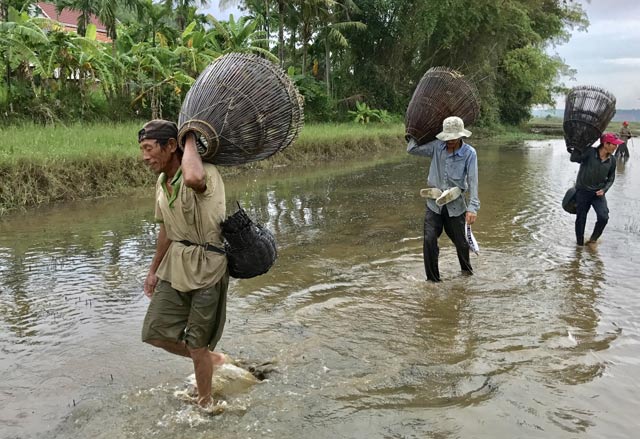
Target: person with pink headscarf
x=595, y=177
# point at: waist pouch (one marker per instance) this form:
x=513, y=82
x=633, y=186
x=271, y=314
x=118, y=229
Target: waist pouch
x=250, y=248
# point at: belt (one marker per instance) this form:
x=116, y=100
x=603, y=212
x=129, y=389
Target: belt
x=206, y=246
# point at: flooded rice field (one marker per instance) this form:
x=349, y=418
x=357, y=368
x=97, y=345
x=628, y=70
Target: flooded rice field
x=542, y=342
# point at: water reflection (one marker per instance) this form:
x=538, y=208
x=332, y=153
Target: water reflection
x=363, y=345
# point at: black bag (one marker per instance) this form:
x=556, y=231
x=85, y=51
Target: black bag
x=569, y=201
x=251, y=248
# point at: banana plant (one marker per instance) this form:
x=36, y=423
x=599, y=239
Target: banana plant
x=196, y=49
x=365, y=114
x=20, y=38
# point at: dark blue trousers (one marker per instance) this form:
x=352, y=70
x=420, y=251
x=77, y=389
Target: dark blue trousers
x=623, y=151
x=454, y=227
x=586, y=199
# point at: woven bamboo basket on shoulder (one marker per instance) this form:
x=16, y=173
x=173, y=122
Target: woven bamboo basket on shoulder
x=587, y=112
x=242, y=108
x=442, y=92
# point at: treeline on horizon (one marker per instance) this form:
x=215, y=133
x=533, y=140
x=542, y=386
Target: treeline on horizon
x=349, y=58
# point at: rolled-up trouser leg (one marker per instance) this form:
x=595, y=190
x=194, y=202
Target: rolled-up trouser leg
x=430, y=250
x=454, y=226
x=602, y=216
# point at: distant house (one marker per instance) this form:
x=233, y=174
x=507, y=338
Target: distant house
x=68, y=18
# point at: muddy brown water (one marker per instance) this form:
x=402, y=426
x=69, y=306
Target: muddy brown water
x=544, y=340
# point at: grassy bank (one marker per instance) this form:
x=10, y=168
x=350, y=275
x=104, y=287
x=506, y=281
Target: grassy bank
x=45, y=164
x=553, y=126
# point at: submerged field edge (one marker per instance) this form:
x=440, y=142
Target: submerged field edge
x=32, y=182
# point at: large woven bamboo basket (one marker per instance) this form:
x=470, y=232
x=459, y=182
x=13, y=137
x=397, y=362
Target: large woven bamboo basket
x=442, y=92
x=587, y=112
x=242, y=108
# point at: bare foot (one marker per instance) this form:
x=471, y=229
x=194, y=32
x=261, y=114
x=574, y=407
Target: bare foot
x=213, y=407
x=205, y=401
x=218, y=359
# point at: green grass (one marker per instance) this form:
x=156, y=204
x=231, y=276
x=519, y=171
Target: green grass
x=43, y=143
x=85, y=140
x=556, y=124
x=45, y=164
x=348, y=131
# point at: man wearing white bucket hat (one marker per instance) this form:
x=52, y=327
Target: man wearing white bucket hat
x=452, y=196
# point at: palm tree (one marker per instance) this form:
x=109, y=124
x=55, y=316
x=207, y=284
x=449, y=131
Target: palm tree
x=184, y=9
x=153, y=17
x=310, y=13
x=105, y=10
x=284, y=9
x=332, y=32
x=85, y=7
x=241, y=36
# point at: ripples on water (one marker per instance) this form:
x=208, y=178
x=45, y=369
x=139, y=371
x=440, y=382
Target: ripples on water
x=541, y=342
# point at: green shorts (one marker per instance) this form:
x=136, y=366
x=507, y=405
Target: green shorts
x=196, y=318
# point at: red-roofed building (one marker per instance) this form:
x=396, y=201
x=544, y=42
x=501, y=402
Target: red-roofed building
x=68, y=18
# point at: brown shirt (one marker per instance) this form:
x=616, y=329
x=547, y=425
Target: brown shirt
x=194, y=217
x=625, y=133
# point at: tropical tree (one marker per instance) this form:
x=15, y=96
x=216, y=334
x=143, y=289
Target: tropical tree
x=241, y=36
x=154, y=18
x=310, y=12
x=20, y=36
x=331, y=34
x=184, y=10
x=150, y=64
x=196, y=48
x=105, y=10
x=158, y=49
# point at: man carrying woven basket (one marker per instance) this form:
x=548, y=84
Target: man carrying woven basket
x=452, y=197
x=595, y=177
x=625, y=134
x=188, y=278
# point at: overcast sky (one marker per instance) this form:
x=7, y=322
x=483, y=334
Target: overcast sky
x=222, y=14
x=606, y=55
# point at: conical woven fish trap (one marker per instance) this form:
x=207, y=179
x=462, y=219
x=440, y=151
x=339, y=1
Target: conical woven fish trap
x=242, y=108
x=442, y=92
x=587, y=112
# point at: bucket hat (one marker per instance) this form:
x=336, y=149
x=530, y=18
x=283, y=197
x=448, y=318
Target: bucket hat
x=453, y=128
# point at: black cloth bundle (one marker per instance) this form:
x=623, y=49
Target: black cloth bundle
x=241, y=108
x=442, y=92
x=250, y=247
x=587, y=113
x=569, y=201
